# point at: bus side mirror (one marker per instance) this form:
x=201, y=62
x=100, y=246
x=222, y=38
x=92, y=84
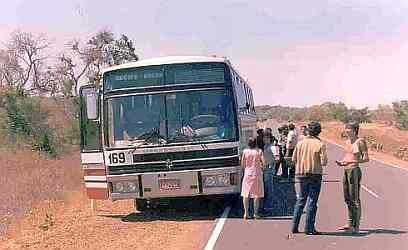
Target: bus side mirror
x=90, y=98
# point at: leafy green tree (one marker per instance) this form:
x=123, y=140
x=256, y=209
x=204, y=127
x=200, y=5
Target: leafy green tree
x=27, y=124
x=401, y=113
x=384, y=113
x=316, y=113
x=358, y=115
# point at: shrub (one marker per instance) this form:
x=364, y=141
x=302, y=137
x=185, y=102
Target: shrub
x=401, y=114
x=26, y=123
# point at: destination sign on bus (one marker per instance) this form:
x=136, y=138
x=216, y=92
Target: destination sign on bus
x=134, y=76
x=189, y=73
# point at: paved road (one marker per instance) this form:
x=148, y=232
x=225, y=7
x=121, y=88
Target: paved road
x=384, y=222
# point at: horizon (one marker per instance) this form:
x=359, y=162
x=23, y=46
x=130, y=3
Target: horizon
x=349, y=51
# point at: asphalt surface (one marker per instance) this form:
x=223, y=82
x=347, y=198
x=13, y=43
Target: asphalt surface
x=384, y=223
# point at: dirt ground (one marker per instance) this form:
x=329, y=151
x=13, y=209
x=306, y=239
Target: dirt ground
x=388, y=138
x=44, y=206
x=71, y=224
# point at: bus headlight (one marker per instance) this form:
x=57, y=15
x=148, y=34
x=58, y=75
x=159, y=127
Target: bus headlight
x=119, y=187
x=125, y=187
x=223, y=180
x=210, y=181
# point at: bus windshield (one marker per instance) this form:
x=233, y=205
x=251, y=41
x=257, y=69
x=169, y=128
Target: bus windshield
x=177, y=117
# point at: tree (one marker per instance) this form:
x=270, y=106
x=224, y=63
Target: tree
x=316, y=113
x=9, y=70
x=22, y=61
x=358, y=115
x=105, y=51
x=401, y=113
x=384, y=113
x=339, y=112
x=71, y=73
x=88, y=60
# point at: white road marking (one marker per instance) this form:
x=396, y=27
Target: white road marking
x=370, y=192
x=391, y=165
x=217, y=230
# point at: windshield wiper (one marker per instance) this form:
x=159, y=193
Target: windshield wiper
x=151, y=135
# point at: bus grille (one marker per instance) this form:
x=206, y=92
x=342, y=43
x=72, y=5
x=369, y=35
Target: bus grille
x=184, y=165
x=174, y=156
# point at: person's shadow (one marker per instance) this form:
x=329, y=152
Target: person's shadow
x=364, y=232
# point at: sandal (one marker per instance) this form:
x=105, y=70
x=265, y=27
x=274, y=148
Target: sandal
x=345, y=227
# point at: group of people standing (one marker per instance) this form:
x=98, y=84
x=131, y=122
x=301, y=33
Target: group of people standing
x=277, y=150
x=302, y=157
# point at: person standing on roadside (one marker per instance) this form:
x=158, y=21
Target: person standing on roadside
x=269, y=169
x=356, y=152
x=303, y=132
x=252, y=161
x=291, y=142
x=259, y=139
x=276, y=154
x=309, y=157
x=269, y=151
x=283, y=133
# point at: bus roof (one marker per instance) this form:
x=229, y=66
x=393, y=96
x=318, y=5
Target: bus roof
x=167, y=60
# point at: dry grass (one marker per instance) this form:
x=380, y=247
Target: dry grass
x=27, y=178
x=390, y=137
x=44, y=206
x=74, y=226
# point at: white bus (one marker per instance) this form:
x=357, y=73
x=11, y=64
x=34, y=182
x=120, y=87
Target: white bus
x=165, y=127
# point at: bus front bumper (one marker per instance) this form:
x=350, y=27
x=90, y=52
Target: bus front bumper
x=168, y=184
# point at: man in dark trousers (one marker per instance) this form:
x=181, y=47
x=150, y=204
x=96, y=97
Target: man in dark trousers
x=356, y=152
x=291, y=142
x=309, y=156
x=259, y=139
x=282, y=151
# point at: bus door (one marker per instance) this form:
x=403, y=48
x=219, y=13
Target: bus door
x=91, y=143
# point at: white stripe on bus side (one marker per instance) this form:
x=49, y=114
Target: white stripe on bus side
x=95, y=178
x=93, y=166
x=96, y=185
x=88, y=158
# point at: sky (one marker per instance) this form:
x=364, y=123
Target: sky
x=296, y=53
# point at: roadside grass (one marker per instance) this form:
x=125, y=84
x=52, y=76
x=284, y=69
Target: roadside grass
x=27, y=178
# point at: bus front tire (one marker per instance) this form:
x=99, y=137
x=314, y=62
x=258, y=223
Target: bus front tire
x=140, y=204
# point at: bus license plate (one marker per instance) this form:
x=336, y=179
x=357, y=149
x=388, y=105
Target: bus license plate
x=169, y=184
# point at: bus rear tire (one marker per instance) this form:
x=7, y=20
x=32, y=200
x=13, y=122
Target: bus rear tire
x=140, y=204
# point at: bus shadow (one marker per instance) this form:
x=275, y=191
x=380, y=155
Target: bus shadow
x=280, y=197
x=188, y=210
x=278, y=203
